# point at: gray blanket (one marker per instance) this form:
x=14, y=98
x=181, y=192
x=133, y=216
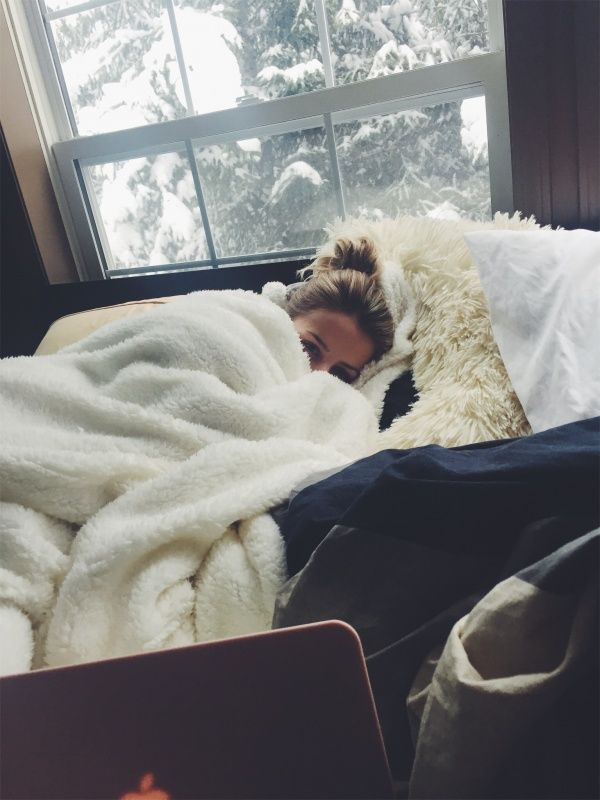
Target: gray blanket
x=470, y=575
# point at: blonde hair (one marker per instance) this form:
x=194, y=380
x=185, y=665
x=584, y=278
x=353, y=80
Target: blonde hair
x=346, y=282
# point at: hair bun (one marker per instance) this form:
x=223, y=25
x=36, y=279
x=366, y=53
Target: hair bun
x=358, y=254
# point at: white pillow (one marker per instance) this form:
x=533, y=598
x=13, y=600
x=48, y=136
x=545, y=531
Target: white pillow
x=543, y=289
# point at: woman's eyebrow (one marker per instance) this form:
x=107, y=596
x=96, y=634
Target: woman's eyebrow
x=320, y=341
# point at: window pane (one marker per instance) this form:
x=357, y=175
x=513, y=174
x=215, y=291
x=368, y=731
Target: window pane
x=120, y=67
x=238, y=52
x=268, y=194
x=370, y=39
x=121, y=70
x=431, y=161
x=149, y=210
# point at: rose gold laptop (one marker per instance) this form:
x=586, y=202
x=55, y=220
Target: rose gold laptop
x=283, y=714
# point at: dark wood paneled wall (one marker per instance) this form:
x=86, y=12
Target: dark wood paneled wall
x=23, y=283
x=553, y=70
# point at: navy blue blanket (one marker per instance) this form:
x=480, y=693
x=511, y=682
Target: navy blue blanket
x=404, y=543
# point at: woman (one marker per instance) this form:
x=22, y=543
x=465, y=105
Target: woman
x=138, y=466
x=340, y=312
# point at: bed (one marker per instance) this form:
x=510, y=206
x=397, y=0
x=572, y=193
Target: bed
x=448, y=465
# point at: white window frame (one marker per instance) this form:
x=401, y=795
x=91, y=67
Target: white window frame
x=68, y=156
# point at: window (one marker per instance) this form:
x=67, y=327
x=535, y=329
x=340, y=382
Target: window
x=201, y=133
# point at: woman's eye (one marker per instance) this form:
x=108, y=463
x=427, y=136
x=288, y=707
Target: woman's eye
x=311, y=349
x=341, y=374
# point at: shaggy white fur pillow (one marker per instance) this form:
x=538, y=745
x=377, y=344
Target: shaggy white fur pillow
x=464, y=391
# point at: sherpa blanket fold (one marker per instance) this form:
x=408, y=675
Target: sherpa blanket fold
x=137, y=467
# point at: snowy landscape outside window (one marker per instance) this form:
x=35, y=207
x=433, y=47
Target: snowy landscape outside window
x=193, y=144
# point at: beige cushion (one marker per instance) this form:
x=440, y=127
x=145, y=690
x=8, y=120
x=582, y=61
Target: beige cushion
x=74, y=327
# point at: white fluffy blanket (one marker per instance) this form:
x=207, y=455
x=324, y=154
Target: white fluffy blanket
x=137, y=466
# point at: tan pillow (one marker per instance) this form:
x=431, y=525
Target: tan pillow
x=70, y=329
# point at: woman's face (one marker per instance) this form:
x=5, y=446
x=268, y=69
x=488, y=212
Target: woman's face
x=334, y=343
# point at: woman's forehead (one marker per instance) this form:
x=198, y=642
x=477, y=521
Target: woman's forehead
x=339, y=335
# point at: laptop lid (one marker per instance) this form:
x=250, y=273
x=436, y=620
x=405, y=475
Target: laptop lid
x=283, y=714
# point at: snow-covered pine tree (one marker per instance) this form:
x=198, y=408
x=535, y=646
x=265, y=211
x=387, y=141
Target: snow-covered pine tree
x=273, y=193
